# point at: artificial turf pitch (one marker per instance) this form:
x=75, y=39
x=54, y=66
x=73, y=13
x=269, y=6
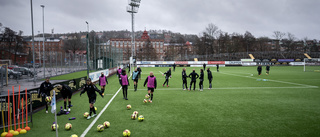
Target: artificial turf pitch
x=284, y=103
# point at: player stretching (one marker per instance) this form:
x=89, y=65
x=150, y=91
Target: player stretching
x=135, y=78
x=259, y=69
x=193, y=77
x=152, y=84
x=168, y=75
x=66, y=92
x=124, y=83
x=209, y=78
x=91, y=90
x=102, y=82
x=267, y=69
x=201, y=80
x=45, y=89
x=184, y=79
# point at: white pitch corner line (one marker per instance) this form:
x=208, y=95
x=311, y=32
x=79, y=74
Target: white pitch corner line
x=98, y=116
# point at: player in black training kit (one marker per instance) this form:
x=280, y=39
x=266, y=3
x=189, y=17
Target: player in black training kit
x=174, y=67
x=209, y=78
x=259, y=69
x=91, y=90
x=217, y=67
x=66, y=92
x=193, y=77
x=168, y=75
x=45, y=89
x=184, y=79
x=139, y=75
x=201, y=80
x=204, y=66
x=267, y=69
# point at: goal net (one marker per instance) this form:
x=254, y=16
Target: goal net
x=312, y=65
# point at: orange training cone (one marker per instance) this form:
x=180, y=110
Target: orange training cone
x=27, y=127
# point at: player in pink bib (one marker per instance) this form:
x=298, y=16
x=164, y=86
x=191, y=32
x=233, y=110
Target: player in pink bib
x=152, y=84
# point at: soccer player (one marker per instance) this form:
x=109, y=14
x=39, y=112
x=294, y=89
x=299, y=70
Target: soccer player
x=152, y=84
x=91, y=90
x=174, y=67
x=102, y=82
x=204, y=66
x=209, y=78
x=139, y=70
x=119, y=71
x=168, y=75
x=124, y=83
x=193, y=77
x=259, y=69
x=135, y=78
x=184, y=79
x=66, y=92
x=267, y=69
x=217, y=67
x=201, y=80
x=45, y=89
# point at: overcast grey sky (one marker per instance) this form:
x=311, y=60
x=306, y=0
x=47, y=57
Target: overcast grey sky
x=260, y=17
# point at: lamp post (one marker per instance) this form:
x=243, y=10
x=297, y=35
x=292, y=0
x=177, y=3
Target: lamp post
x=39, y=50
x=44, y=60
x=33, y=60
x=88, y=50
x=133, y=8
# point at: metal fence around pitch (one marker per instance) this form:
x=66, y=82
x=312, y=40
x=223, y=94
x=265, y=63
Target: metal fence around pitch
x=106, y=57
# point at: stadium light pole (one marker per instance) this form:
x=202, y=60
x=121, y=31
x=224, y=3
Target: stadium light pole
x=33, y=60
x=43, y=50
x=133, y=8
x=88, y=50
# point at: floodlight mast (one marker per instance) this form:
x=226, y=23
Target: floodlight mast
x=133, y=8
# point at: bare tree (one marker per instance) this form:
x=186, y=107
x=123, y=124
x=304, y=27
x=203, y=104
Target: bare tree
x=74, y=44
x=211, y=30
x=278, y=35
x=149, y=53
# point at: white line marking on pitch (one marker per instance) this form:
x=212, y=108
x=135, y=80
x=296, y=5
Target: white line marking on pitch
x=161, y=72
x=274, y=80
x=232, y=88
x=95, y=120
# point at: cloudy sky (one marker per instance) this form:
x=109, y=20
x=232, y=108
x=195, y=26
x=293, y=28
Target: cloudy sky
x=260, y=17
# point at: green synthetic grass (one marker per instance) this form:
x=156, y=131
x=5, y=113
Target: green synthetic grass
x=284, y=103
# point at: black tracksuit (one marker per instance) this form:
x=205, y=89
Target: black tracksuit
x=139, y=74
x=174, y=67
x=168, y=74
x=217, y=67
x=259, y=69
x=45, y=89
x=209, y=78
x=193, y=77
x=267, y=69
x=91, y=90
x=184, y=79
x=66, y=92
x=204, y=66
x=201, y=80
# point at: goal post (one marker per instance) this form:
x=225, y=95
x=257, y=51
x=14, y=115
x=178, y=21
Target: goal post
x=311, y=65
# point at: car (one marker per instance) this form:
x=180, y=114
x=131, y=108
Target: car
x=12, y=66
x=13, y=74
x=25, y=71
x=37, y=65
x=28, y=65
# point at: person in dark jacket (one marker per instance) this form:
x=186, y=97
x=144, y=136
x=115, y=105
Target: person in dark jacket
x=45, y=89
x=91, y=90
x=124, y=83
x=209, y=77
x=267, y=69
x=103, y=81
x=151, y=82
x=168, y=75
x=66, y=92
x=201, y=80
x=193, y=77
x=259, y=69
x=217, y=67
x=140, y=71
x=174, y=67
x=184, y=79
x=204, y=66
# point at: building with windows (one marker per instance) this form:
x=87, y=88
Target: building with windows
x=142, y=50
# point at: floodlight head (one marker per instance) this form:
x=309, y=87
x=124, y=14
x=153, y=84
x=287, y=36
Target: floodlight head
x=42, y=6
x=87, y=22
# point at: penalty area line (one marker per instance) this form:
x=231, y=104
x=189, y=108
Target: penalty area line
x=95, y=120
